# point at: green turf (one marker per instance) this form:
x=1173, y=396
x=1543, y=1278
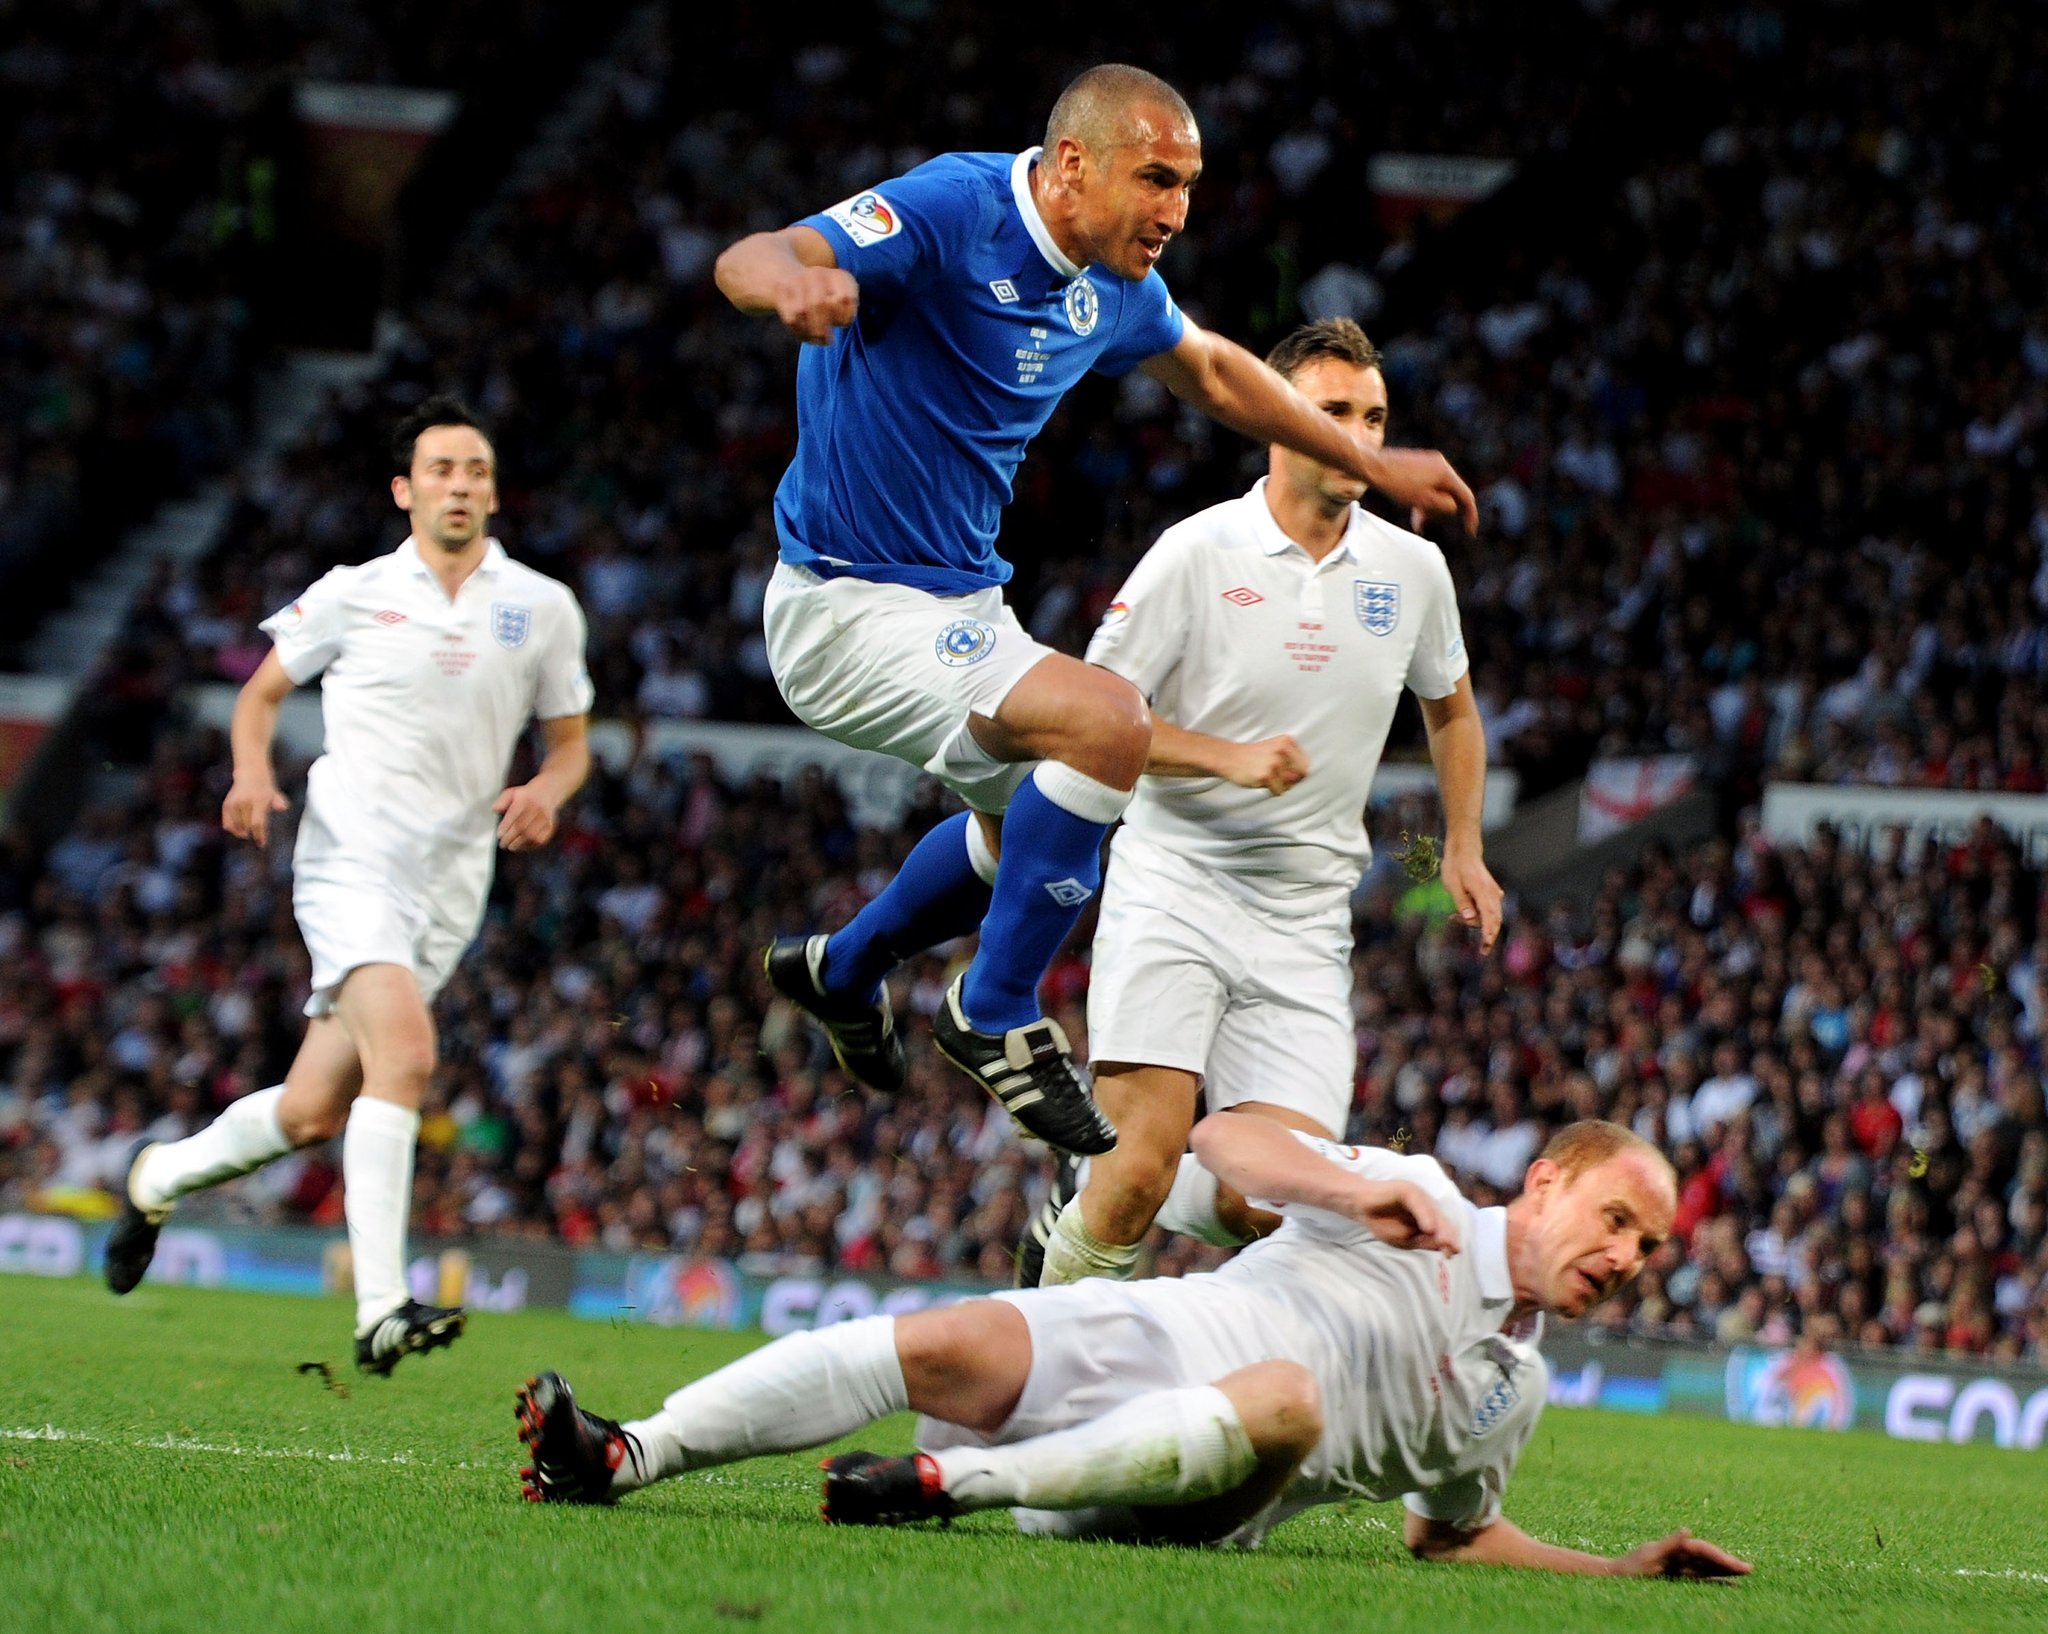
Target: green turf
x=204, y=1484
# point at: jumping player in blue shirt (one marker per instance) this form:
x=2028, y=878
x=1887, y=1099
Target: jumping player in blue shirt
x=946, y=313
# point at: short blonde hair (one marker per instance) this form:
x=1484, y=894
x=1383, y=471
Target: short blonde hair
x=1591, y=1142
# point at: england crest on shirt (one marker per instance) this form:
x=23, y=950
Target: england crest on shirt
x=511, y=624
x=1378, y=605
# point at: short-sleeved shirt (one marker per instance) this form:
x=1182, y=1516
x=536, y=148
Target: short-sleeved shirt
x=973, y=325
x=1429, y=1392
x=1231, y=630
x=423, y=699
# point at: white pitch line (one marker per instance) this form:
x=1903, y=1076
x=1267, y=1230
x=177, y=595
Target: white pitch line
x=169, y=1443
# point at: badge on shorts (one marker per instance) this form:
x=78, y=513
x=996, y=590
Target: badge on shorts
x=1378, y=605
x=510, y=624
x=965, y=641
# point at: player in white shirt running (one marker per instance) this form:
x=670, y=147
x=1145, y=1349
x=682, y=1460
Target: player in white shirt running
x=1381, y=1344
x=1273, y=635
x=433, y=660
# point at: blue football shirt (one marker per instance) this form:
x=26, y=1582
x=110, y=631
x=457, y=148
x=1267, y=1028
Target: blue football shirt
x=911, y=424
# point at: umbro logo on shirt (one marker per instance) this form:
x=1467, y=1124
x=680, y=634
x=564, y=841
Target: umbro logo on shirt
x=1243, y=596
x=389, y=617
x=1003, y=290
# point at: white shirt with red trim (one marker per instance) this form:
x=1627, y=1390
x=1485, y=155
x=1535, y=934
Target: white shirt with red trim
x=1230, y=629
x=424, y=698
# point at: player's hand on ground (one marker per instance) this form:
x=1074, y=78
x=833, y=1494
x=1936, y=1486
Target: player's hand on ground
x=1402, y=1214
x=1680, y=1555
x=525, y=818
x=247, y=810
x=1272, y=764
x=1425, y=482
x=816, y=301
x=1475, y=893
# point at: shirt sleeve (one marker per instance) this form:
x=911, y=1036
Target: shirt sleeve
x=888, y=234
x=1148, y=324
x=1472, y=1501
x=1144, y=632
x=307, y=635
x=1439, y=661
x=565, y=687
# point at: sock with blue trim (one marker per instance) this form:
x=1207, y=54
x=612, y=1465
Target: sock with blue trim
x=941, y=891
x=1051, y=866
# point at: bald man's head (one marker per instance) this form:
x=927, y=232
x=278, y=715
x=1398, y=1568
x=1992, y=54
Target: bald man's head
x=1105, y=108
x=1120, y=159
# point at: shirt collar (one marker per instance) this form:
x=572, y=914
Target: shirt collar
x=1488, y=1246
x=409, y=556
x=1273, y=539
x=1034, y=223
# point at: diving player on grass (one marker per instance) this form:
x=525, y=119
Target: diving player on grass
x=1381, y=1344
x=947, y=312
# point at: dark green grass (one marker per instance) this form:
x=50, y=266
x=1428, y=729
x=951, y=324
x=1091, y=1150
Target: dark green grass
x=419, y=1526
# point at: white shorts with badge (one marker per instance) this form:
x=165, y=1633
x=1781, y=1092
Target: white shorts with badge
x=348, y=924
x=890, y=668
x=1188, y=974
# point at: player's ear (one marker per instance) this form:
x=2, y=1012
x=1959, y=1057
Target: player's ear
x=1541, y=1179
x=401, y=493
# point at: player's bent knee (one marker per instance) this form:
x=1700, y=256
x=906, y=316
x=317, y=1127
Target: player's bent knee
x=314, y=1125
x=1282, y=1408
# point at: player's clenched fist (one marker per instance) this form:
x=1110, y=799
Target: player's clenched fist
x=815, y=301
x=245, y=813
x=1403, y=1215
x=525, y=819
x=1272, y=764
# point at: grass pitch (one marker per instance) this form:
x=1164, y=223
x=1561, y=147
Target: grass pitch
x=165, y=1466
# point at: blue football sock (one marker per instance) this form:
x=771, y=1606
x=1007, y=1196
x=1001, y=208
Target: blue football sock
x=1051, y=866
x=935, y=896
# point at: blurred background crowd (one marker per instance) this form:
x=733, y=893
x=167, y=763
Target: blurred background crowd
x=1750, y=373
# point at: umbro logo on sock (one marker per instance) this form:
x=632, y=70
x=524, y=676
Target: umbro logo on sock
x=1069, y=893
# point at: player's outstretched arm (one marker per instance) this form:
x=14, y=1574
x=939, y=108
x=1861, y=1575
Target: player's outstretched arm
x=1272, y=764
x=1502, y=1543
x=793, y=274
x=1230, y=385
x=1268, y=1162
x=254, y=797
x=1457, y=747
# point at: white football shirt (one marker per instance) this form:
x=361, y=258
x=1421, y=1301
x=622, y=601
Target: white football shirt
x=1231, y=630
x=424, y=699
x=1427, y=1392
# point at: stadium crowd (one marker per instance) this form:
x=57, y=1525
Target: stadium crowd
x=1757, y=447
x=1842, y=1054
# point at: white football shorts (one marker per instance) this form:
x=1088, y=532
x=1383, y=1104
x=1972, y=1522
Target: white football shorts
x=886, y=667
x=351, y=923
x=1097, y=1344
x=1188, y=974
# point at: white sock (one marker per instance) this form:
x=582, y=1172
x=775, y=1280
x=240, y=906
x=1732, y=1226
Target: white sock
x=245, y=1136
x=804, y=1389
x=1072, y=1252
x=1169, y=1447
x=1190, y=1207
x=376, y=1195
